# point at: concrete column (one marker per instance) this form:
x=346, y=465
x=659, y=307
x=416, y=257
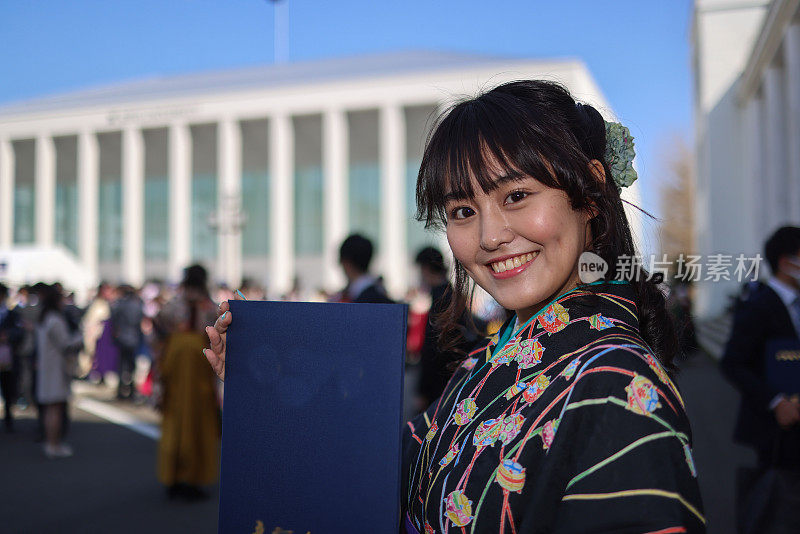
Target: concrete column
x=180, y=198
x=133, y=206
x=6, y=193
x=334, y=150
x=775, y=149
x=752, y=150
x=791, y=50
x=281, y=163
x=393, y=210
x=45, y=203
x=88, y=176
x=229, y=201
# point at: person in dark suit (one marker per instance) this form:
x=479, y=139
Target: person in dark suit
x=355, y=255
x=434, y=368
x=10, y=336
x=768, y=418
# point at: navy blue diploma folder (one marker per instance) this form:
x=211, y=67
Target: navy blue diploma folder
x=312, y=417
x=782, y=360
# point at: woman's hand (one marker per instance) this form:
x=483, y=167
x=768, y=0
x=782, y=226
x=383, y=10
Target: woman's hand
x=216, y=335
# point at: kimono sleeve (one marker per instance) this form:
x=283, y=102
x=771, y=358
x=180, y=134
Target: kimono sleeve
x=625, y=445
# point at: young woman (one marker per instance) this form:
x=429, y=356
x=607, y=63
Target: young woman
x=566, y=421
x=53, y=377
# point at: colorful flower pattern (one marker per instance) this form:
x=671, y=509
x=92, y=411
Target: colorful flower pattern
x=529, y=353
x=459, y=508
x=500, y=408
x=642, y=395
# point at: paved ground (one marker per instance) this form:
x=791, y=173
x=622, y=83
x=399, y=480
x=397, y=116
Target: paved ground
x=110, y=484
x=712, y=405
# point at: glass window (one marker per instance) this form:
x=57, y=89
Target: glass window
x=109, y=209
x=364, y=176
x=204, y=192
x=308, y=185
x=156, y=195
x=24, y=190
x=418, y=123
x=255, y=188
x=66, y=231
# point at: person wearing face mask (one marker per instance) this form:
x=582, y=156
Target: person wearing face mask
x=768, y=414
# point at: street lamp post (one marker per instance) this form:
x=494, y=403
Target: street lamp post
x=227, y=223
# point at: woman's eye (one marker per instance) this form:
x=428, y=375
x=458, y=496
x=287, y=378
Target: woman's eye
x=515, y=196
x=461, y=213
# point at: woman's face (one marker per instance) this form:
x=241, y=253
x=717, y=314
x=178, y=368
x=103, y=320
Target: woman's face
x=520, y=242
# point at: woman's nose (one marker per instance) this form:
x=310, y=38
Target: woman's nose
x=495, y=231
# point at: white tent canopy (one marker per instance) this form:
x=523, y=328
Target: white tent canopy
x=22, y=265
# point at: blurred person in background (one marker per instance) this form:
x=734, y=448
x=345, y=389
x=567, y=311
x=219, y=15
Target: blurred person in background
x=436, y=361
x=106, y=353
x=72, y=312
x=30, y=312
x=679, y=304
x=355, y=255
x=434, y=371
x=126, y=317
x=188, y=453
x=768, y=413
x=251, y=290
x=53, y=341
x=97, y=313
x=10, y=335
x=26, y=309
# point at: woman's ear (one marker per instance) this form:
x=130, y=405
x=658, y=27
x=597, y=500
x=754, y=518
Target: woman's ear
x=599, y=173
x=597, y=170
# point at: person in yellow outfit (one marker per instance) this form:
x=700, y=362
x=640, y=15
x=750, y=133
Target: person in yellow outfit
x=188, y=453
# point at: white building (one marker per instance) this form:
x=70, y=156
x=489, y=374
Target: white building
x=257, y=172
x=746, y=62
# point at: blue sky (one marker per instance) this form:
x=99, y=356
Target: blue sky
x=638, y=51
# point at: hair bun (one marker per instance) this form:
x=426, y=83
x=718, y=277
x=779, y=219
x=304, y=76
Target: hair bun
x=591, y=133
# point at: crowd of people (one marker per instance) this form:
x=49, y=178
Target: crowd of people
x=142, y=345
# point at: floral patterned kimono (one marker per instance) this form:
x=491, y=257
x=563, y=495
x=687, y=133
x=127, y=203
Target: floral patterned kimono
x=568, y=424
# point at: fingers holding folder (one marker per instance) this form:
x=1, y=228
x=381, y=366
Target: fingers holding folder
x=216, y=335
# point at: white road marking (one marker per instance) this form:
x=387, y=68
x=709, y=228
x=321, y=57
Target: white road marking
x=119, y=417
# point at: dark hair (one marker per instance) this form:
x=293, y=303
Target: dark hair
x=535, y=128
x=196, y=277
x=3, y=291
x=357, y=250
x=432, y=259
x=784, y=242
x=49, y=300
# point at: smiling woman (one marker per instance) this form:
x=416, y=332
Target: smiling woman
x=567, y=421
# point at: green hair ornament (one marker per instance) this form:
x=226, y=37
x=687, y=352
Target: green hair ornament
x=619, y=154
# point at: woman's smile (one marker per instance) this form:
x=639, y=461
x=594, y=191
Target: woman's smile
x=520, y=242
x=508, y=266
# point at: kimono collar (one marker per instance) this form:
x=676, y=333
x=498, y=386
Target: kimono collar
x=606, y=303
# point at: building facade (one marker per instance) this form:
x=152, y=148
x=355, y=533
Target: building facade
x=257, y=173
x=746, y=62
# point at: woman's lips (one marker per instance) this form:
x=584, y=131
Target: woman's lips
x=512, y=266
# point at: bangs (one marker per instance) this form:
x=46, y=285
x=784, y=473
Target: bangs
x=478, y=142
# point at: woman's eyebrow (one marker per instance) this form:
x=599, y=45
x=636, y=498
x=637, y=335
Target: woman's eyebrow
x=502, y=179
x=455, y=196
x=511, y=176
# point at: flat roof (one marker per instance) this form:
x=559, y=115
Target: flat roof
x=265, y=76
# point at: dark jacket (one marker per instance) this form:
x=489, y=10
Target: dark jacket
x=373, y=294
x=758, y=318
